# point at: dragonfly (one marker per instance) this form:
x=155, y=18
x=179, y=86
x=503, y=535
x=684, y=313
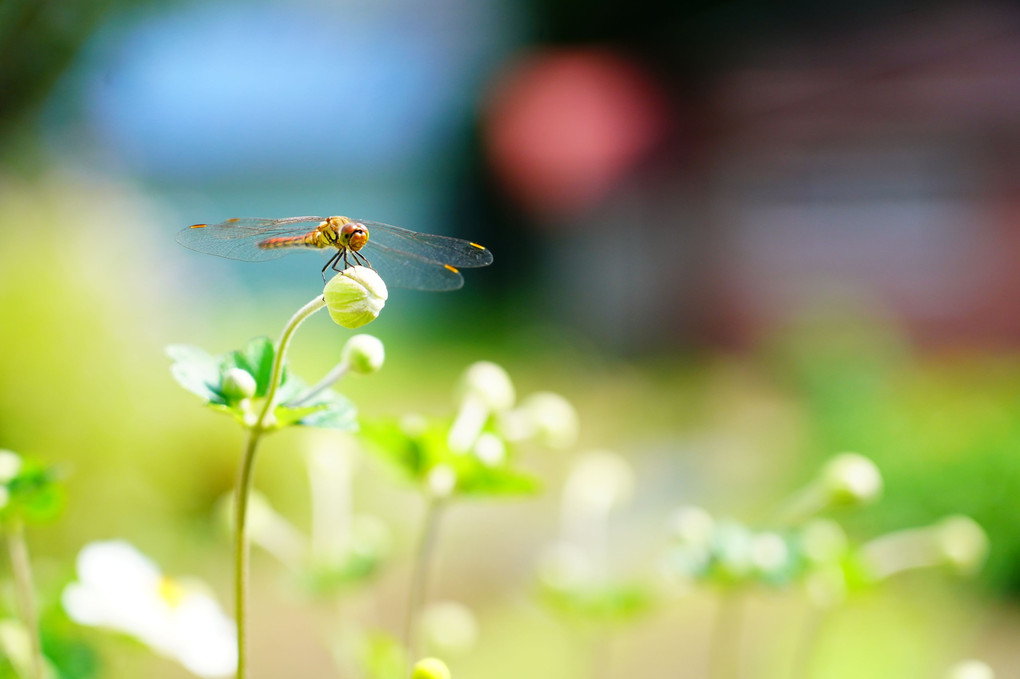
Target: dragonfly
x=403, y=258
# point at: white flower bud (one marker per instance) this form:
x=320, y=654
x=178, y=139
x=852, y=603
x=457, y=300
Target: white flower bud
x=548, y=418
x=10, y=465
x=490, y=449
x=851, y=479
x=238, y=384
x=768, y=552
x=823, y=541
x=430, y=668
x=970, y=669
x=733, y=548
x=962, y=543
x=692, y=525
x=355, y=296
x=449, y=627
x=488, y=383
x=441, y=481
x=599, y=481
x=364, y=354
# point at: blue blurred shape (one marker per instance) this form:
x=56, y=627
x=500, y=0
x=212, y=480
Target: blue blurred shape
x=215, y=90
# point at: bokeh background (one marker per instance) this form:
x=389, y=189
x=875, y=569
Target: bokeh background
x=739, y=236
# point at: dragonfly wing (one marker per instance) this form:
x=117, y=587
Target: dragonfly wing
x=401, y=269
x=441, y=249
x=240, y=238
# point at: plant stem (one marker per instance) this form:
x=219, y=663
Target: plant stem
x=814, y=624
x=724, y=645
x=244, y=484
x=17, y=549
x=419, y=577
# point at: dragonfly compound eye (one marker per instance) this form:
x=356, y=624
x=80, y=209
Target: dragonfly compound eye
x=355, y=235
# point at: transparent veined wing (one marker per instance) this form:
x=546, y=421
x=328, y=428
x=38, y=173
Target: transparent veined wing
x=442, y=249
x=239, y=238
x=401, y=269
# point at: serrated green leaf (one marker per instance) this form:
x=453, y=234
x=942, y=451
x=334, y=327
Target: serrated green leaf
x=498, y=481
x=257, y=360
x=286, y=416
x=335, y=411
x=196, y=371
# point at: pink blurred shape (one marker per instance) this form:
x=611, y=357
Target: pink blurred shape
x=563, y=126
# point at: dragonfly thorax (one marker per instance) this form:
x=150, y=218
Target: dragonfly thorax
x=345, y=233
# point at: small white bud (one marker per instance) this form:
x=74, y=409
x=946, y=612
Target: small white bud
x=490, y=449
x=768, y=552
x=550, y=419
x=449, y=627
x=441, y=481
x=599, y=481
x=355, y=296
x=970, y=669
x=851, y=479
x=238, y=384
x=10, y=465
x=733, y=548
x=962, y=543
x=823, y=541
x=430, y=668
x=489, y=383
x=364, y=354
x=691, y=525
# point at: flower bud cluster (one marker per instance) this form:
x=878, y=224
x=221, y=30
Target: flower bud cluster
x=815, y=552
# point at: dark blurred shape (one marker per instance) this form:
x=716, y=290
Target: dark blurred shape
x=38, y=41
x=562, y=126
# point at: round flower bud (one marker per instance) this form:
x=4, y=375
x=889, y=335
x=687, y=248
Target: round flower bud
x=962, y=543
x=489, y=383
x=768, y=552
x=599, y=481
x=490, y=449
x=441, y=481
x=691, y=525
x=970, y=669
x=355, y=296
x=10, y=465
x=554, y=422
x=364, y=354
x=430, y=668
x=238, y=384
x=851, y=479
x=823, y=541
x=733, y=548
x=449, y=627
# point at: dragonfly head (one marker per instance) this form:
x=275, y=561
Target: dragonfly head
x=354, y=235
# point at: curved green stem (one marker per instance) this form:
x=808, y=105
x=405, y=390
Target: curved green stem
x=21, y=567
x=244, y=484
x=419, y=577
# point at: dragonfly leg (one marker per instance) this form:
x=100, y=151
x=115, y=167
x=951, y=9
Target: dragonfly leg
x=361, y=259
x=332, y=261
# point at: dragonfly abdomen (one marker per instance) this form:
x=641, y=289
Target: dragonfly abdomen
x=312, y=239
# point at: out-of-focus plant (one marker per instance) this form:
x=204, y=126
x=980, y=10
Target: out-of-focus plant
x=810, y=552
x=29, y=493
x=469, y=456
x=254, y=387
x=575, y=576
x=120, y=589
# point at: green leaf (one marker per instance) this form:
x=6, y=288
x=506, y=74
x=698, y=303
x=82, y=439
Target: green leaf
x=287, y=416
x=196, y=371
x=334, y=411
x=497, y=481
x=610, y=602
x=257, y=360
